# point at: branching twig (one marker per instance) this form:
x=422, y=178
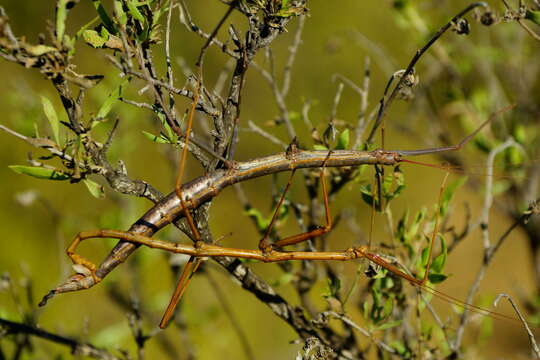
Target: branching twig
x=384, y=104
x=79, y=348
x=360, y=329
x=521, y=22
x=489, y=249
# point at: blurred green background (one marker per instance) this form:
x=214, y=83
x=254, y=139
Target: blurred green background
x=334, y=41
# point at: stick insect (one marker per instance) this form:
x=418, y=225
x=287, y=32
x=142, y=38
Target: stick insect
x=189, y=196
x=186, y=198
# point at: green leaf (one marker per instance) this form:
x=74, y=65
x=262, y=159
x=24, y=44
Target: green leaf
x=394, y=194
x=120, y=13
x=438, y=263
x=104, y=33
x=424, y=257
x=334, y=285
x=387, y=183
x=388, y=325
x=95, y=189
x=413, y=229
x=260, y=220
x=401, y=230
x=515, y=156
x=132, y=7
x=399, y=347
x=366, y=193
x=437, y=278
x=48, y=108
x=61, y=14
x=105, y=19
x=376, y=293
x=319, y=147
x=388, y=307
x=534, y=16
x=38, y=50
x=93, y=38
x=168, y=131
x=343, y=140
x=39, y=172
x=86, y=26
x=69, y=43
x=365, y=308
x=380, y=274
x=111, y=99
x=157, y=139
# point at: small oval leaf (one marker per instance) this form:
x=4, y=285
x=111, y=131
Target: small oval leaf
x=319, y=147
x=48, y=108
x=157, y=139
x=437, y=278
x=534, y=16
x=111, y=100
x=343, y=140
x=93, y=38
x=94, y=188
x=39, y=172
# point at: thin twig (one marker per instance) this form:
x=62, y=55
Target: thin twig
x=385, y=104
x=292, y=56
x=77, y=347
x=141, y=105
x=279, y=97
x=170, y=75
x=364, y=94
x=185, y=18
x=382, y=345
x=520, y=21
x=348, y=82
x=489, y=250
x=256, y=129
x=534, y=345
x=337, y=99
x=42, y=143
x=305, y=115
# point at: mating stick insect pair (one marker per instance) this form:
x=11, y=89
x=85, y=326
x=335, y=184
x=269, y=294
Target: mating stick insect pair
x=188, y=197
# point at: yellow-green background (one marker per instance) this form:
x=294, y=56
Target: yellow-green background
x=30, y=242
